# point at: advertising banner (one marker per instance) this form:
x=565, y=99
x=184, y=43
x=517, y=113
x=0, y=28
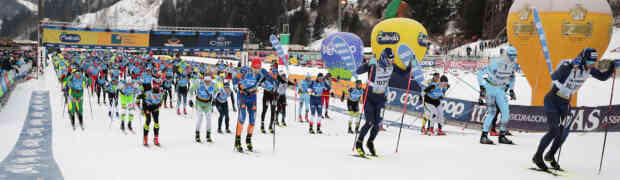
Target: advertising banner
x=221, y=40
x=342, y=53
x=70, y=37
x=124, y=39
x=170, y=40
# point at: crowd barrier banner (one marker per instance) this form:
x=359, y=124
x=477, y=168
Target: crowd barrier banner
x=529, y=118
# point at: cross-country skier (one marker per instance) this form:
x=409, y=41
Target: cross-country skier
x=433, y=109
x=182, y=87
x=500, y=78
x=283, y=84
x=353, y=96
x=151, y=103
x=304, y=97
x=568, y=77
x=248, y=84
x=111, y=88
x=221, y=103
x=317, y=87
x=376, y=98
x=269, y=84
x=167, y=86
x=205, y=91
x=325, y=96
x=101, y=80
x=128, y=92
x=75, y=85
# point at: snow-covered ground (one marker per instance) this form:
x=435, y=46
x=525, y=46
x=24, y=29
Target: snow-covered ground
x=31, y=6
x=125, y=14
x=103, y=152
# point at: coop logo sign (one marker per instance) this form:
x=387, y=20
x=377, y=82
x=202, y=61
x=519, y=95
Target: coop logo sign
x=453, y=108
x=69, y=38
x=388, y=37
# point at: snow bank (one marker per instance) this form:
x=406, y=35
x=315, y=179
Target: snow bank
x=125, y=14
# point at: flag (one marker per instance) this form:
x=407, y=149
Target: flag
x=392, y=9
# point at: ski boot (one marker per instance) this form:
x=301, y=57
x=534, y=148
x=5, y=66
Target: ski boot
x=271, y=130
x=318, y=129
x=110, y=114
x=156, y=140
x=81, y=122
x=178, y=111
x=357, y=128
x=440, y=132
x=424, y=131
x=219, y=131
x=238, y=144
x=554, y=164
x=72, y=117
x=300, y=119
x=311, y=130
x=283, y=123
x=484, y=139
x=227, y=130
x=538, y=161
x=502, y=138
x=129, y=126
x=197, y=138
x=248, y=143
x=165, y=106
x=307, y=117
x=371, y=148
x=209, y=137
x=350, y=131
x=123, y=126
x=359, y=148
x=431, y=131
x=326, y=115
x=184, y=111
x=146, y=140
x=262, y=128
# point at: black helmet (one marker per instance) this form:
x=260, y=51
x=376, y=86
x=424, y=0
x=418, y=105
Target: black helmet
x=319, y=76
x=358, y=82
x=588, y=55
x=443, y=78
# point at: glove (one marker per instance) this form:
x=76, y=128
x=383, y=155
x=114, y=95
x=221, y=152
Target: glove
x=147, y=112
x=563, y=92
x=191, y=103
x=512, y=95
x=372, y=61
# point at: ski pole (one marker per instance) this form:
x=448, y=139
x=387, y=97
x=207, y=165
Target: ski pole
x=402, y=117
x=273, y=125
x=600, y=166
x=364, y=103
